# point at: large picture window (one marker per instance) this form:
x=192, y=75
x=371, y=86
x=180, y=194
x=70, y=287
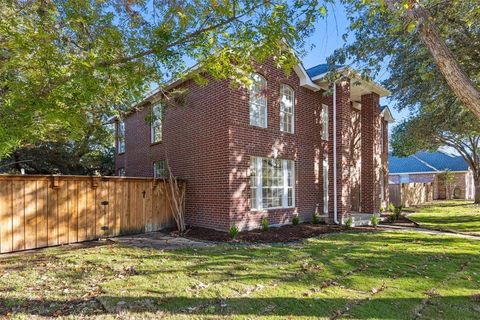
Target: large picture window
x=258, y=101
x=121, y=137
x=287, y=108
x=156, y=123
x=324, y=122
x=272, y=183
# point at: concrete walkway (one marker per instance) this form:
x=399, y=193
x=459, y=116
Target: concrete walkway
x=159, y=240
x=429, y=231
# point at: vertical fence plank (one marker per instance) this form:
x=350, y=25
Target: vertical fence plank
x=6, y=236
x=82, y=210
x=101, y=196
x=30, y=214
x=42, y=215
x=18, y=225
x=131, y=206
x=90, y=210
x=63, y=212
x=52, y=221
x=111, y=207
x=118, y=199
x=72, y=211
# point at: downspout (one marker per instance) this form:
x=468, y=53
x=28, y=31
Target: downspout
x=335, y=207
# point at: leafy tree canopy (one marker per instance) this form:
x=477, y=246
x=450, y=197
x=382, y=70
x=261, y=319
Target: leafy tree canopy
x=64, y=59
x=90, y=154
x=383, y=36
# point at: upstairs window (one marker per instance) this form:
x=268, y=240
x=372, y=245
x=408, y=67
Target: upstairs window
x=258, y=101
x=272, y=183
x=325, y=122
x=160, y=169
x=287, y=107
x=156, y=123
x=121, y=137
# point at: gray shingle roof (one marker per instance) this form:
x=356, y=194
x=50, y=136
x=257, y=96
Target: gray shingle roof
x=426, y=162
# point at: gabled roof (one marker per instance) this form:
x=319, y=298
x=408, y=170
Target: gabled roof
x=426, y=162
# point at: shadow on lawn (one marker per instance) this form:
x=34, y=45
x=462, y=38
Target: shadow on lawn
x=379, y=308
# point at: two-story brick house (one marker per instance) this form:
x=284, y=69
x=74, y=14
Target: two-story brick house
x=285, y=146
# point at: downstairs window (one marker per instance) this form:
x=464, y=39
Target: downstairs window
x=272, y=183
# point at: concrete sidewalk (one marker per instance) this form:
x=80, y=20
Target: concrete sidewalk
x=430, y=231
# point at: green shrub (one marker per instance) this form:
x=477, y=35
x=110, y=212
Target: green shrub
x=396, y=214
x=315, y=218
x=233, y=231
x=349, y=223
x=374, y=220
x=295, y=220
x=382, y=209
x=265, y=224
x=391, y=207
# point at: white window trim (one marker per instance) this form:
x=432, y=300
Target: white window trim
x=325, y=185
x=325, y=127
x=282, y=112
x=153, y=121
x=120, y=125
x=251, y=102
x=258, y=187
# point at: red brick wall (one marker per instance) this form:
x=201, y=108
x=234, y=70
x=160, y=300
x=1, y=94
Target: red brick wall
x=196, y=140
x=209, y=143
x=303, y=146
x=371, y=159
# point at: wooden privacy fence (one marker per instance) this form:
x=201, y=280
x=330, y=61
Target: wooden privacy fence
x=42, y=211
x=410, y=194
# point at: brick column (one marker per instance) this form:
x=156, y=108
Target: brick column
x=370, y=170
x=343, y=151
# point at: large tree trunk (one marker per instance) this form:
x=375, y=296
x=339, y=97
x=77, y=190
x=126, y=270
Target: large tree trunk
x=446, y=62
x=456, y=78
x=476, y=182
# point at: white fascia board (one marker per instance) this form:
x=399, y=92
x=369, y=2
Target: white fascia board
x=305, y=80
x=387, y=115
x=352, y=74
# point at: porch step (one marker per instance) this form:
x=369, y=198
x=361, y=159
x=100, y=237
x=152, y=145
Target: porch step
x=360, y=219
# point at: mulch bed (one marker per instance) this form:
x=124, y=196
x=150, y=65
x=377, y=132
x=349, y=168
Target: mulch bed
x=402, y=222
x=288, y=233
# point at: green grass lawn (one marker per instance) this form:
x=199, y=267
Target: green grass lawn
x=381, y=275
x=459, y=216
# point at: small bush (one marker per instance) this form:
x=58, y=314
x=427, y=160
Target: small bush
x=295, y=220
x=265, y=224
x=391, y=207
x=396, y=214
x=315, y=218
x=233, y=231
x=374, y=220
x=349, y=223
x=382, y=209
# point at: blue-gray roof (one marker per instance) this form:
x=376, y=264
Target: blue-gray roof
x=320, y=69
x=426, y=162
x=443, y=161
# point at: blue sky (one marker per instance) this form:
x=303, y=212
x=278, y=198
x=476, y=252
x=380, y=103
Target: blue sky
x=327, y=38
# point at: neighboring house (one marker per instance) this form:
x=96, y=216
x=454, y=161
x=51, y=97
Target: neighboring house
x=420, y=178
x=280, y=148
